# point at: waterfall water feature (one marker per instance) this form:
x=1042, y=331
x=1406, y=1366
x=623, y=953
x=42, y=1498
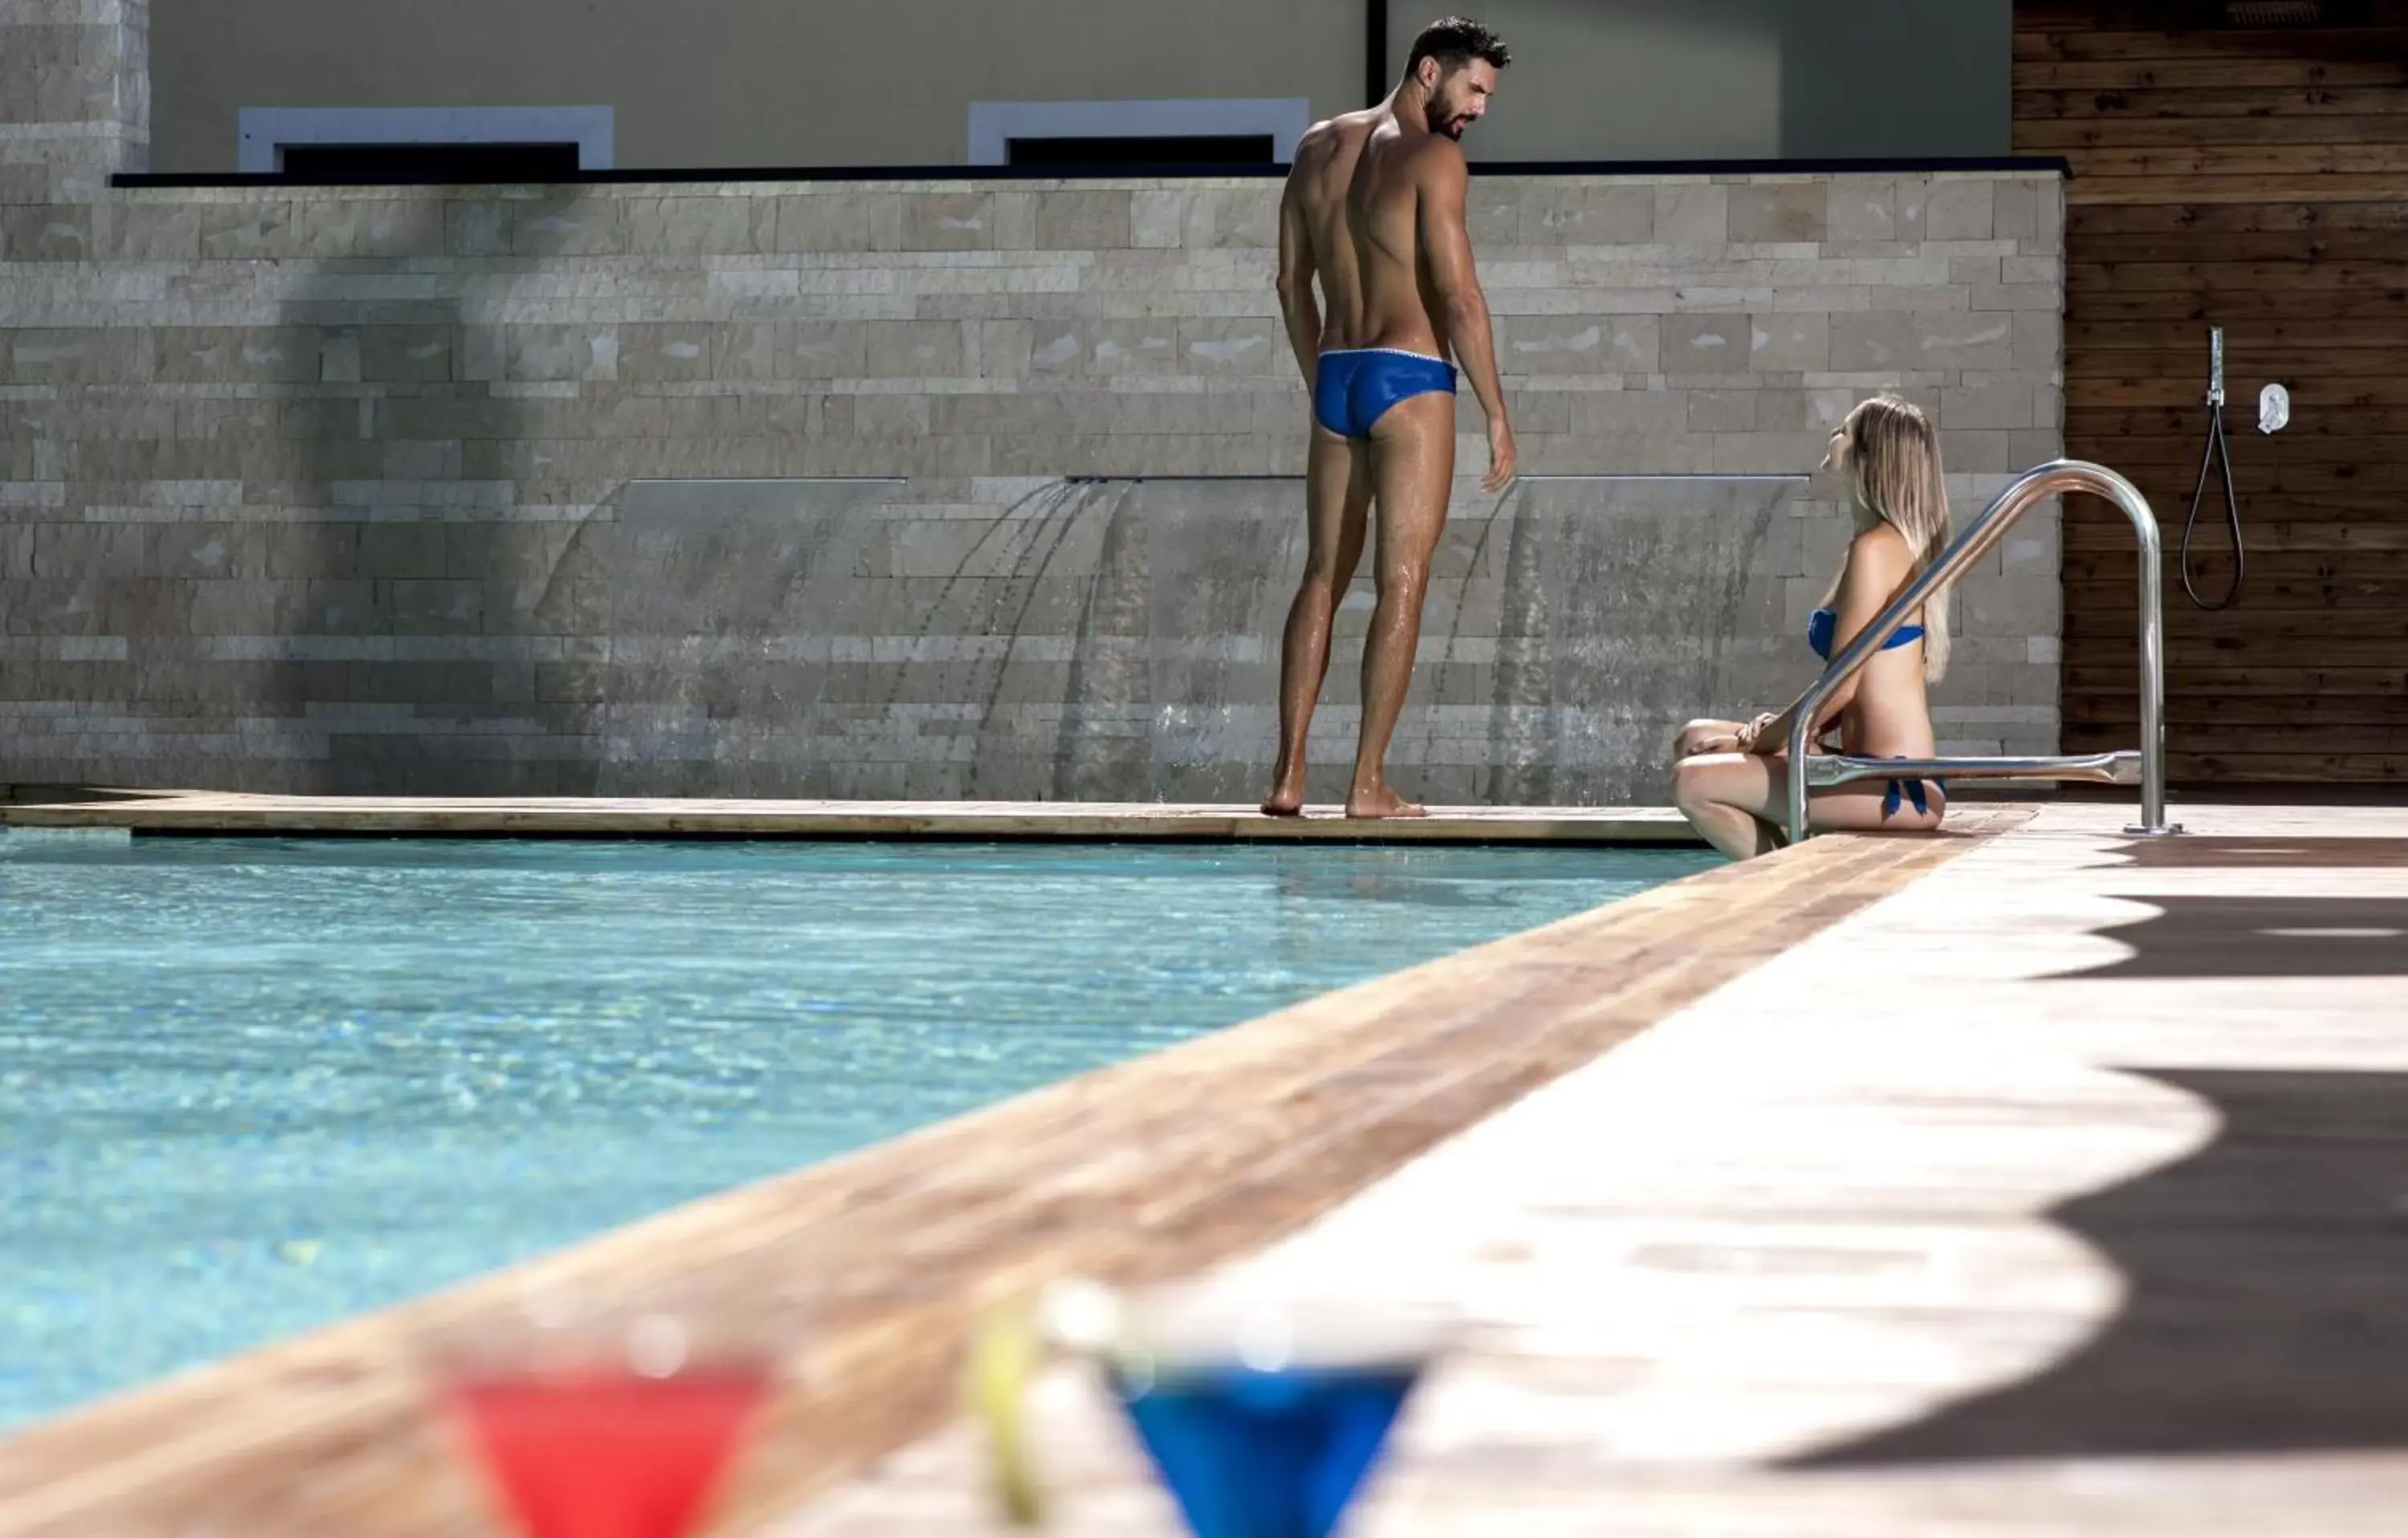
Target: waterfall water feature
x=1120, y=640
x=1222, y=558
x=723, y=611
x=1630, y=604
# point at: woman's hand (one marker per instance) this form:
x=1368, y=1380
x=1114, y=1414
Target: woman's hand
x=1752, y=737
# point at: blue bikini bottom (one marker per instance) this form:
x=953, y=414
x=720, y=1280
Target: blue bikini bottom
x=1911, y=790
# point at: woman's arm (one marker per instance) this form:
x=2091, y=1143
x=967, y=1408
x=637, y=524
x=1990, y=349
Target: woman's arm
x=1879, y=565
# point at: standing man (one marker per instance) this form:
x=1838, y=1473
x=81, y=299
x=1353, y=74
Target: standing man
x=1374, y=207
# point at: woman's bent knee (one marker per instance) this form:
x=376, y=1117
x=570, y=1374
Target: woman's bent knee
x=1690, y=784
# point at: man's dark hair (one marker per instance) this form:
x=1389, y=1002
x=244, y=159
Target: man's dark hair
x=1455, y=41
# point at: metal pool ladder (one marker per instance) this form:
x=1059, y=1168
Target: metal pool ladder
x=2145, y=767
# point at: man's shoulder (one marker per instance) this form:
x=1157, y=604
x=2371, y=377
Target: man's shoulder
x=1318, y=146
x=1362, y=119
x=1330, y=134
x=1435, y=156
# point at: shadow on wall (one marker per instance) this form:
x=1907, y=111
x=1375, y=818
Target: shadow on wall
x=415, y=605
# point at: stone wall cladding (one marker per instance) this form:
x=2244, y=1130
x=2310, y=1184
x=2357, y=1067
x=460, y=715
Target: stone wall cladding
x=75, y=96
x=292, y=480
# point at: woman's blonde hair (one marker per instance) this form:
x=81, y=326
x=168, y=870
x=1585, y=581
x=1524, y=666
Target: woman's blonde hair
x=1890, y=453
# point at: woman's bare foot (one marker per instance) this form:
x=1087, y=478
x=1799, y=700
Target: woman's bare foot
x=1380, y=801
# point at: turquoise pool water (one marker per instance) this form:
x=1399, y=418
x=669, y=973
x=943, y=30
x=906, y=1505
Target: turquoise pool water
x=250, y=1086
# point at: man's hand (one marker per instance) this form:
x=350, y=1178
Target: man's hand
x=1501, y=455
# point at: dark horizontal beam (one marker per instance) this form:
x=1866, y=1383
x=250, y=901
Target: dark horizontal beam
x=2027, y=164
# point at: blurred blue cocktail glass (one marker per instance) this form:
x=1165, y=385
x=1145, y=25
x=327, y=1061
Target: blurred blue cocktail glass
x=1264, y=1418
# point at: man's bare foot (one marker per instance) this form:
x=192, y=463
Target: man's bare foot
x=1286, y=798
x=1381, y=802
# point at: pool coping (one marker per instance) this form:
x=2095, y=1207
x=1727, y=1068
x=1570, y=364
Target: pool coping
x=1157, y=1167
x=168, y=812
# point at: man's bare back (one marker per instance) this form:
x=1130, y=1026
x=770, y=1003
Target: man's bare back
x=1374, y=211
x=1355, y=190
x=1384, y=201
x=1316, y=206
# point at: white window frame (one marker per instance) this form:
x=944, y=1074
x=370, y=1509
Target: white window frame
x=995, y=124
x=265, y=129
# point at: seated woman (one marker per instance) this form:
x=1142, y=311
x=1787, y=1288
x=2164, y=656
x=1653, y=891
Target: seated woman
x=1731, y=779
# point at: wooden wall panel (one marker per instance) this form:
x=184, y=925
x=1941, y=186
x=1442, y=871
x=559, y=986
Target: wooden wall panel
x=2255, y=179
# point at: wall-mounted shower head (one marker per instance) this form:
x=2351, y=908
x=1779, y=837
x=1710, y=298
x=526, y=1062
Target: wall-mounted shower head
x=2216, y=454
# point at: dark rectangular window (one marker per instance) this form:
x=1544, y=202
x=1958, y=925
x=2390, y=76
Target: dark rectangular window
x=1145, y=149
x=427, y=162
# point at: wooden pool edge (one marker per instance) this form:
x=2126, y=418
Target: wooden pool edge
x=170, y=812
x=1157, y=1167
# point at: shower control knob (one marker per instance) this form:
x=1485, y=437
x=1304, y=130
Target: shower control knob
x=2273, y=409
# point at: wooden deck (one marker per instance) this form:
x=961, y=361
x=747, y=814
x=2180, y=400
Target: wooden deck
x=217, y=812
x=2061, y=1193
x=2033, y=1181
x=1155, y=1168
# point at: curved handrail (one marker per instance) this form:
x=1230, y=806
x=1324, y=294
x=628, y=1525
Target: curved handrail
x=2034, y=485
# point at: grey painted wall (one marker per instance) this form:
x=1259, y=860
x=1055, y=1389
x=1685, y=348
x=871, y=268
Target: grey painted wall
x=889, y=82
x=1701, y=80
x=1897, y=79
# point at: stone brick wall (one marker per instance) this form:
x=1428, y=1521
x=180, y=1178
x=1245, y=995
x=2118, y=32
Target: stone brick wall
x=323, y=489
x=75, y=96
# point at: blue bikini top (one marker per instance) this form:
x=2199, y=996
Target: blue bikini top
x=1820, y=625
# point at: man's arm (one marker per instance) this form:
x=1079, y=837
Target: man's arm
x=1298, y=305
x=1446, y=251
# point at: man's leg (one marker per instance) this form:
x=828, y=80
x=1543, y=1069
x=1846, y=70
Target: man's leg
x=1337, y=496
x=1413, y=470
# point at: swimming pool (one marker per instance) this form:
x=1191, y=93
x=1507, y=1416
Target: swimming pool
x=250, y=1085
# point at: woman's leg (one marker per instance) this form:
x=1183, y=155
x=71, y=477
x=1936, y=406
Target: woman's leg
x=1715, y=792
x=1738, y=803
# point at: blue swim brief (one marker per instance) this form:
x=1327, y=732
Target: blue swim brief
x=1354, y=387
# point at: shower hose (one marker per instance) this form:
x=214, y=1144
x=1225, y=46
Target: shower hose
x=2215, y=454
